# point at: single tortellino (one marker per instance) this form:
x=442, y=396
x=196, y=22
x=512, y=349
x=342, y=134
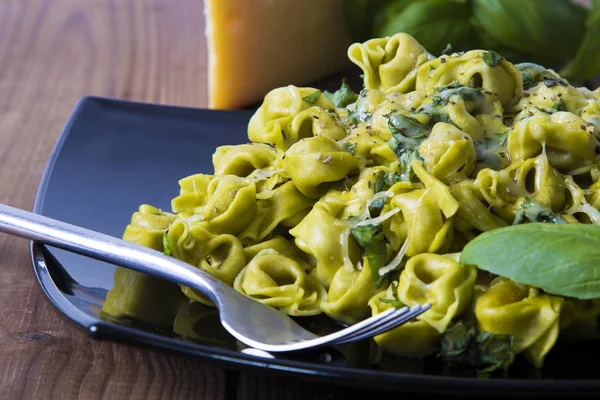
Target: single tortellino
x=272, y=208
x=426, y=230
x=242, y=160
x=192, y=194
x=470, y=69
x=221, y=256
x=536, y=178
x=552, y=97
x=319, y=235
x=448, y=153
x=272, y=122
x=387, y=62
x=568, y=141
x=440, y=281
x=414, y=338
x=138, y=295
x=472, y=206
x=231, y=204
x=532, y=318
x=349, y=293
x=282, y=246
x=314, y=163
x=147, y=227
x=280, y=282
x=394, y=228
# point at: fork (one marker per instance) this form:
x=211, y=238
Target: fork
x=252, y=323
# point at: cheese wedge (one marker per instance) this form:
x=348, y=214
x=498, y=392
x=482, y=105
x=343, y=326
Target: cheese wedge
x=258, y=45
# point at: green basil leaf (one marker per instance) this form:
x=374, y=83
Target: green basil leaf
x=380, y=184
x=538, y=28
x=407, y=126
x=433, y=23
x=343, y=96
x=462, y=345
x=360, y=17
x=375, y=207
x=313, y=97
x=371, y=238
x=492, y=58
x=586, y=64
x=561, y=259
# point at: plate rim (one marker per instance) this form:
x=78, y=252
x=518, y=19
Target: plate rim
x=343, y=376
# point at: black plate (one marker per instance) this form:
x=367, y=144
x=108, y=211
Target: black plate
x=115, y=155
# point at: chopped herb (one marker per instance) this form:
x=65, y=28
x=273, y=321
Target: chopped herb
x=166, y=245
x=393, y=302
x=492, y=58
x=447, y=50
x=490, y=150
x=371, y=238
x=361, y=113
x=532, y=211
x=463, y=345
x=208, y=260
x=560, y=105
x=343, y=96
x=349, y=147
x=375, y=207
x=407, y=126
x=326, y=159
x=380, y=183
x=313, y=97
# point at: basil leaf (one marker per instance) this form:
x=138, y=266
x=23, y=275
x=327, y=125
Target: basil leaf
x=561, y=259
x=380, y=183
x=313, y=97
x=586, y=64
x=407, y=126
x=462, y=345
x=371, y=238
x=375, y=207
x=492, y=58
x=544, y=29
x=433, y=23
x=343, y=96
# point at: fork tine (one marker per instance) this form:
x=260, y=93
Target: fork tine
x=395, y=319
x=370, y=324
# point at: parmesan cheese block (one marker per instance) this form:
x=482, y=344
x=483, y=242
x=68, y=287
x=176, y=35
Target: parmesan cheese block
x=258, y=45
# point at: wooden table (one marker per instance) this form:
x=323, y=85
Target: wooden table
x=52, y=52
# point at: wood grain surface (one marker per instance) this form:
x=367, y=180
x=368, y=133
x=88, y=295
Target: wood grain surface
x=52, y=52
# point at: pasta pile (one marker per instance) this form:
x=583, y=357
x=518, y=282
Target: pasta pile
x=348, y=204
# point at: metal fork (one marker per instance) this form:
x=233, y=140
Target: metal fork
x=254, y=324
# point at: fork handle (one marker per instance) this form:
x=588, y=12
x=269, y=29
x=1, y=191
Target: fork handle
x=106, y=248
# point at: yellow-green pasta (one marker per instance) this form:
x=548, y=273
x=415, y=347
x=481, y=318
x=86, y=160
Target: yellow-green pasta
x=351, y=203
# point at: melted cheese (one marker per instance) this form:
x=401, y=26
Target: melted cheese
x=258, y=45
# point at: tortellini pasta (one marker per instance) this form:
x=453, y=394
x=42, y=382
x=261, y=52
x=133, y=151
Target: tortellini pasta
x=279, y=281
x=351, y=203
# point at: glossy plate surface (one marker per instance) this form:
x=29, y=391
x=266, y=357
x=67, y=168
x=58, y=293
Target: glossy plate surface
x=114, y=155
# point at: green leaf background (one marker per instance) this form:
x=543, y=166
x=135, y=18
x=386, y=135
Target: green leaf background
x=557, y=34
